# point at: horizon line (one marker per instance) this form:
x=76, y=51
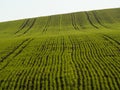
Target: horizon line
x=57, y=14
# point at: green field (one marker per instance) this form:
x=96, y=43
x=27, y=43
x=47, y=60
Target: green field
x=76, y=51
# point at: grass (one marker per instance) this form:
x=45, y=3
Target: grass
x=76, y=51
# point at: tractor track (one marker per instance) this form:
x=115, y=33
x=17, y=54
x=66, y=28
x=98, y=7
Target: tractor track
x=90, y=21
x=27, y=24
x=47, y=24
x=32, y=24
x=112, y=41
x=74, y=24
x=97, y=19
x=22, y=26
x=27, y=41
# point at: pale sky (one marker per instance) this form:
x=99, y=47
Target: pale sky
x=18, y=9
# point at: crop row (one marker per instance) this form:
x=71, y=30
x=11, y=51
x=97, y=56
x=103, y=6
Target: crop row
x=78, y=21
x=66, y=62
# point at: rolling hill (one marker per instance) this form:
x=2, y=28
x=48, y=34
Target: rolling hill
x=75, y=51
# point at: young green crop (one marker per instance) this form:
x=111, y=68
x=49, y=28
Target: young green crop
x=77, y=51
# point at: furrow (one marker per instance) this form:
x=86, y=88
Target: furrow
x=97, y=72
x=10, y=79
x=76, y=63
x=49, y=67
x=62, y=66
x=28, y=80
x=110, y=74
x=42, y=76
x=85, y=61
x=96, y=66
x=57, y=66
x=93, y=76
x=18, y=74
x=81, y=66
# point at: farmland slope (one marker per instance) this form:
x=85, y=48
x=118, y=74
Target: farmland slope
x=76, y=51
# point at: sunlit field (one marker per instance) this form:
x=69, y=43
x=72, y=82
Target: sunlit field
x=76, y=51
